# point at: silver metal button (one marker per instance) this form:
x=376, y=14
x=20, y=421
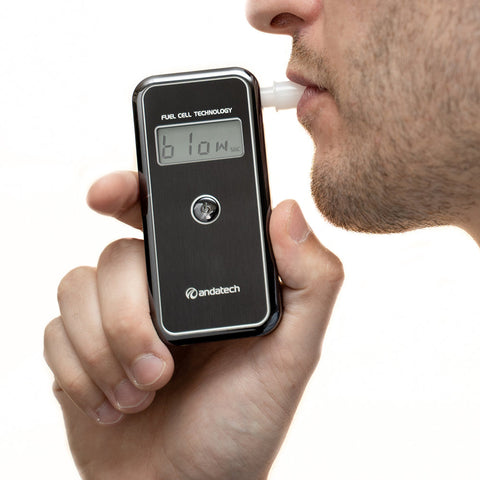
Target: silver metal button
x=205, y=209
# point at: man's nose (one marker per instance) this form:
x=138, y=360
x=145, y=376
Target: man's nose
x=282, y=16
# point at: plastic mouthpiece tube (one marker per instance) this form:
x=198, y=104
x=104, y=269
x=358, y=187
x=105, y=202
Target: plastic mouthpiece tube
x=281, y=95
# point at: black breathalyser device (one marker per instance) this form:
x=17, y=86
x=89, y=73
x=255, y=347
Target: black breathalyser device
x=205, y=206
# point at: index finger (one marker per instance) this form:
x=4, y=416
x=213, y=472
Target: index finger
x=117, y=195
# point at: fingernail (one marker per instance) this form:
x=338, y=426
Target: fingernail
x=107, y=415
x=128, y=396
x=297, y=227
x=147, y=369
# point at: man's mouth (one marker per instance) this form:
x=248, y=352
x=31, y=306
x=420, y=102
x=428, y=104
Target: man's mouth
x=296, y=77
x=311, y=94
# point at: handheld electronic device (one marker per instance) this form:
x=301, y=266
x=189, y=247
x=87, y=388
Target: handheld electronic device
x=206, y=205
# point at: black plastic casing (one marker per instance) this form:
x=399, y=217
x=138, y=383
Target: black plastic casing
x=207, y=281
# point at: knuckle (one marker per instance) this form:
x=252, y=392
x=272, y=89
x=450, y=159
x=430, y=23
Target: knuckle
x=75, y=386
x=333, y=271
x=52, y=328
x=118, y=249
x=98, y=357
x=128, y=323
x=72, y=281
x=51, y=334
x=56, y=388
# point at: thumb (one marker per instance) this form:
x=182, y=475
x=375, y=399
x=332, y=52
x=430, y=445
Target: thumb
x=311, y=277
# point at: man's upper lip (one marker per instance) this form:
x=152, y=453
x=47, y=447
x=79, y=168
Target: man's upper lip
x=296, y=77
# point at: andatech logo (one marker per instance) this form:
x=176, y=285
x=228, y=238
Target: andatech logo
x=192, y=293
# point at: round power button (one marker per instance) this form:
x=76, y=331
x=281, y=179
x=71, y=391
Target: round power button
x=205, y=209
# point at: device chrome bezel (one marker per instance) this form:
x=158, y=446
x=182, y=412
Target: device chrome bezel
x=191, y=77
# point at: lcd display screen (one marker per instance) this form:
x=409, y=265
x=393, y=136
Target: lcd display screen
x=202, y=141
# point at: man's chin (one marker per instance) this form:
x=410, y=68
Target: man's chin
x=360, y=208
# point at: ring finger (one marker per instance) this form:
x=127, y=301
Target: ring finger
x=80, y=312
x=71, y=378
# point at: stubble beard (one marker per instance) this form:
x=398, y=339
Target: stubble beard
x=410, y=127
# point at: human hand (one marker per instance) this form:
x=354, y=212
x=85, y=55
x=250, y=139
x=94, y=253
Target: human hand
x=225, y=411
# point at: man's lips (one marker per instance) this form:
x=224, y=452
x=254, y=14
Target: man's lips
x=311, y=93
x=296, y=77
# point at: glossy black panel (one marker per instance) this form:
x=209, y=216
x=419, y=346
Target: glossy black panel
x=216, y=279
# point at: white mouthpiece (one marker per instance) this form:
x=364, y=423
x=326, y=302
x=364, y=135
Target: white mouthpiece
x=281, y=95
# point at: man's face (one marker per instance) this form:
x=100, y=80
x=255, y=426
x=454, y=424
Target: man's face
x=392, y=104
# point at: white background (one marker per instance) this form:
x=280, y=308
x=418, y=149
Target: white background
x=397, y=392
